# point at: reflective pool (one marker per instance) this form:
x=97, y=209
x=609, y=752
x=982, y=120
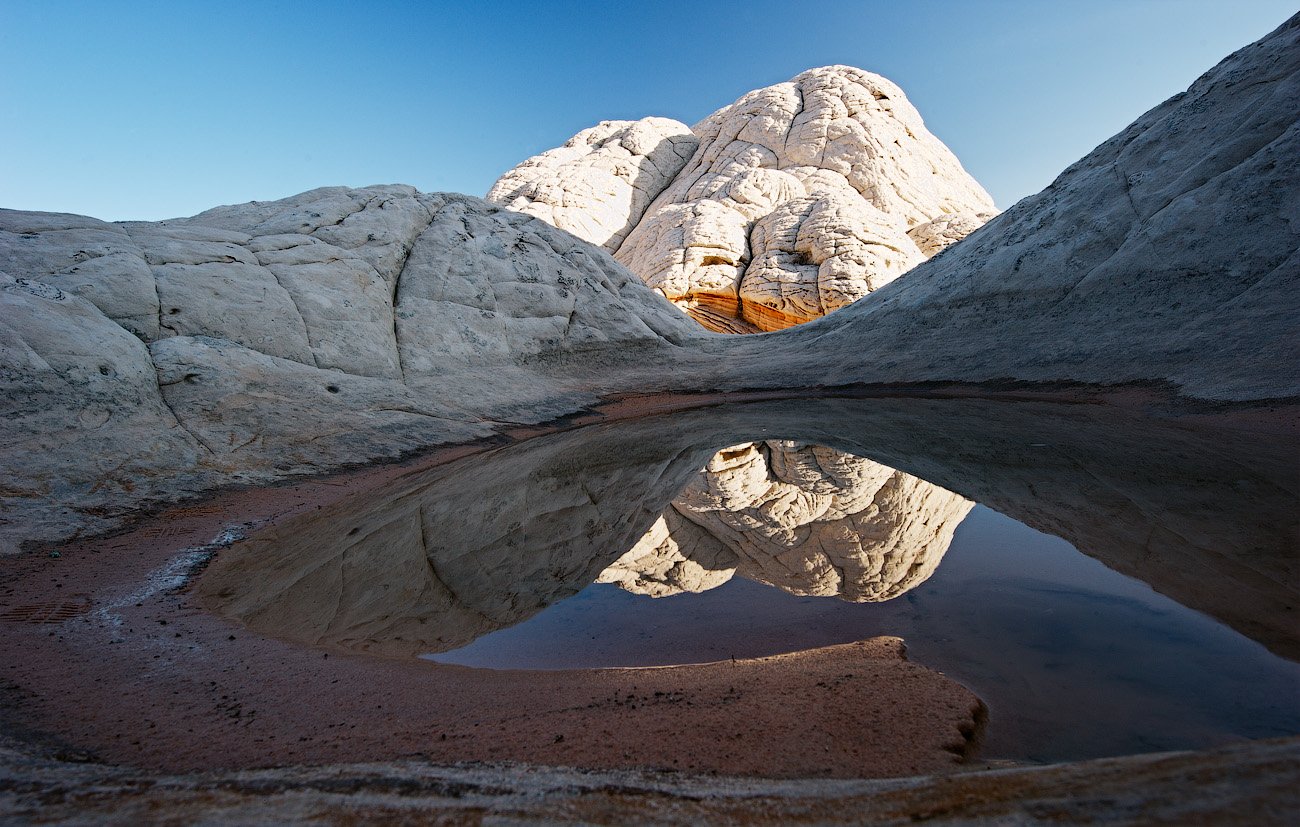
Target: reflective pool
x=1123, y=584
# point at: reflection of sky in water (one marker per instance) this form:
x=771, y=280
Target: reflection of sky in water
x=1073, y=659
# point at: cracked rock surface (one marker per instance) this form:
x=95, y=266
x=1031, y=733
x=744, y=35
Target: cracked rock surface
x=599, y=184
x=250, y=341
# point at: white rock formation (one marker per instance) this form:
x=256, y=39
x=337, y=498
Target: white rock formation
x=599, y=184
x=262, y=339
x=798, y=201
x=1169, y=256
x=807, y=519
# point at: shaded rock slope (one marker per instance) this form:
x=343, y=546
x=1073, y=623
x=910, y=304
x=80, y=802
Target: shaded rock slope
x=146, y=362
x=252, y=341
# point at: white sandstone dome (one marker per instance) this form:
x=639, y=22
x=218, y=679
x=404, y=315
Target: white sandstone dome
x=600, y=182
x=798, y=199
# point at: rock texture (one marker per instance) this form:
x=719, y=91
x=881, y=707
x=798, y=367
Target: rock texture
x=1251, y=783
x=801, y=198
x=254, y=340
x=598, y=185
x=805, y=518
x=1170, y=254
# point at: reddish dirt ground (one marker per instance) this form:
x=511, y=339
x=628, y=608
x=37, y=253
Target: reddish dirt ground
x=105, y=655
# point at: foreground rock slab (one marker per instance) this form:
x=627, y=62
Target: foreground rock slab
x=1247, y=784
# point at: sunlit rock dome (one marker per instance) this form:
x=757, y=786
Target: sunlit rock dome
x=799, y=198
x=598, y=185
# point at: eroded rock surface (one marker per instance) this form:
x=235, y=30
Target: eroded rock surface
x=254, y=340
x=800, y=199
x=598, y=185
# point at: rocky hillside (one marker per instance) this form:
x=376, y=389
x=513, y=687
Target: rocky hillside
x=144, y=360
x=1169, y=255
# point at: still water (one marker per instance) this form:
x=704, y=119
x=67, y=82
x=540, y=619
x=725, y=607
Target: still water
x=1074, y=659
x=1151, y=606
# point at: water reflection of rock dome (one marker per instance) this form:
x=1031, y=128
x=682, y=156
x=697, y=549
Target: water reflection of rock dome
x=807, y=519
x=429, y=560
x=438, y=559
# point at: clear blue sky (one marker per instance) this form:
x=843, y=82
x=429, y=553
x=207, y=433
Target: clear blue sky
x=153, y=110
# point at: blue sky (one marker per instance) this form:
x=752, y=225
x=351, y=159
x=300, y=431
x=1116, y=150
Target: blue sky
x=154, y=110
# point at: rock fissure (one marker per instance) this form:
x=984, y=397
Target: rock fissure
x=202, y=443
